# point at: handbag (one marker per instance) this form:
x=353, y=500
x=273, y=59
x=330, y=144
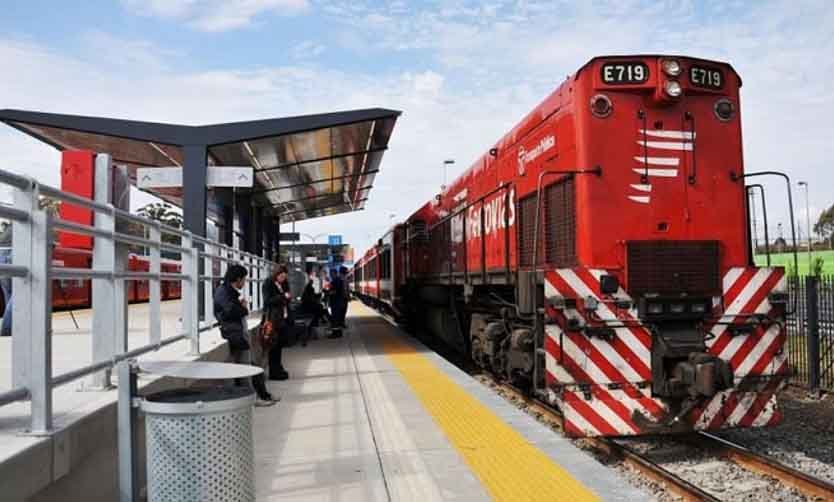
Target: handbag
x=266, y=333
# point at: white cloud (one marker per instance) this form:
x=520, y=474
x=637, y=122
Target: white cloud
x=481, y=68
x=215, y=15
x=307, y=50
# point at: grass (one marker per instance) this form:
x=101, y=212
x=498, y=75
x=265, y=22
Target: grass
x=783, y=259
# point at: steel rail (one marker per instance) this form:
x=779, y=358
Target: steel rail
x=766, y=466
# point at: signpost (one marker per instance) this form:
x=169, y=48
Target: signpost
x=216, y=176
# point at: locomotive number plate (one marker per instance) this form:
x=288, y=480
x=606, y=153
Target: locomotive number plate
x=626, y=72
x=708, y=78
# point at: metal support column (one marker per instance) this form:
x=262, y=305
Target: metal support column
x=194, y=198
x=127, y=437
x=155, y=285
x=228, y=236
x=257, y=246
x=32, y=308
x=109, y=296
x=813, y=332
x=191, y=301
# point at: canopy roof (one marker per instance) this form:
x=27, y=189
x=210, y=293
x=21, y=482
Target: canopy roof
x=305, y=166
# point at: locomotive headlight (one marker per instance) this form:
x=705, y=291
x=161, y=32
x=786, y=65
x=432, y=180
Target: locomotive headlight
x=671, y=67
x=699, y=308
x=673, y=88
x=601, y=106
x=724, y=109
x=677, y=308
x=654, y=308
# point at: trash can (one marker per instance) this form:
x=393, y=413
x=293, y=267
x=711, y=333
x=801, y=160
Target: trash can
x=199, y=440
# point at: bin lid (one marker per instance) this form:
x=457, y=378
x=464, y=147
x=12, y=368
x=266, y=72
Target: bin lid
x=199, y=369
x=198, y=401
x=203, y=394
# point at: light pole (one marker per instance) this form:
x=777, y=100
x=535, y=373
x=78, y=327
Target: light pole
x=445, y=163
x=808, y=223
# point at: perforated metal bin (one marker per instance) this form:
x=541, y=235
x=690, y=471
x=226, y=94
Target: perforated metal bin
x=199, y=445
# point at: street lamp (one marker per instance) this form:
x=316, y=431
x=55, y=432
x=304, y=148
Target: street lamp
x=808, y=223
x=445, y=163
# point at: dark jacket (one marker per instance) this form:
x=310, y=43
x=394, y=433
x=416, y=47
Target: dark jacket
x=231, y=315
x=274, y=302
x=337, y=290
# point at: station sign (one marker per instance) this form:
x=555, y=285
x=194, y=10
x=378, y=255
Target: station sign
x=289, y=236
x=334, y=240
x=216, y=176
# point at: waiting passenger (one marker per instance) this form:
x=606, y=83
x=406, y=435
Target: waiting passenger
x=311, y=306
x=338, y=302
x=276, y=295
x=231, y=309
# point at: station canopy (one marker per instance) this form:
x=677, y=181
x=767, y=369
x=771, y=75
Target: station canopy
x=305, y=166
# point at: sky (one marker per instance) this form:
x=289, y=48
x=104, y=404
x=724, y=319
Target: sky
x=463, y=73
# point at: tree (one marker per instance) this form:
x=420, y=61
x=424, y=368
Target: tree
x=161, y=212
x=824, y=227
x=165, y=214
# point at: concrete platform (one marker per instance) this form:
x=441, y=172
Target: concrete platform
x=376, y=416
x=78, y=462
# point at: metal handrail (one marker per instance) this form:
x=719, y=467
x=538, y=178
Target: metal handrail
x=32, y=260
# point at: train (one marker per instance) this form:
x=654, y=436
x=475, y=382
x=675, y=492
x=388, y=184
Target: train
x=71, y=294
x=598, y=255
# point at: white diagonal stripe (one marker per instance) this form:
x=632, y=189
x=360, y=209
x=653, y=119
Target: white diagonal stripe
x=712, y=408
x=624, y=334
x=661, y=173
x=578, y=420
x=758, y=351
x=642, y=188
x=734, y=308
x=668, y=134
x=731, y=276
x=611, y=416
x=658, y=161
x=666, y=145
x=766, y=414
x=742, y=406
x=551, y=364
x=642, y=199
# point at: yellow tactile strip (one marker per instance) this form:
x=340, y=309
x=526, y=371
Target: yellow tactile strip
x=509, y=467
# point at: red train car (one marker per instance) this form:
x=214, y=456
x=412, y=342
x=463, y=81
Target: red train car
x=599, y=254
x=378, y=276
x=77, y=293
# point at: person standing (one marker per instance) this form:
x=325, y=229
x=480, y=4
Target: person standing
x=338, y=302
x=230, y=309
x=276, y=297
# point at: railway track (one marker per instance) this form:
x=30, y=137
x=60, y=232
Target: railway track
x=611, y=448
x=810, y=486
x=813, y=488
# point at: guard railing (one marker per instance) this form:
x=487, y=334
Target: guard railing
x=202, y=263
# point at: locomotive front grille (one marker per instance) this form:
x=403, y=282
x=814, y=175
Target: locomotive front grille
x=673, y=268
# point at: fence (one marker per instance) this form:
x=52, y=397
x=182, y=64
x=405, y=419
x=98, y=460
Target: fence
x=810, y=342
x=32, y=273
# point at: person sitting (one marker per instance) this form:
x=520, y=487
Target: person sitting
x=230, y=309
x=311, y=306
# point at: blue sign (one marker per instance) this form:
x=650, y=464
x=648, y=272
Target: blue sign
x=334, y=240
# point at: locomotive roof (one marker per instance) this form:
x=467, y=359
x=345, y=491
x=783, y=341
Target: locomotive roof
x=680, y=56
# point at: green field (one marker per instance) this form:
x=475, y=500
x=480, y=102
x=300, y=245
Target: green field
x=784, y=258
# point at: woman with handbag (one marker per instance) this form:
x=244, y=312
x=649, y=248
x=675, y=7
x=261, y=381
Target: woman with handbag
x=276, y=302
x=231, y=310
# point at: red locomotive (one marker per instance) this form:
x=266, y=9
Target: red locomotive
x=599, y=255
